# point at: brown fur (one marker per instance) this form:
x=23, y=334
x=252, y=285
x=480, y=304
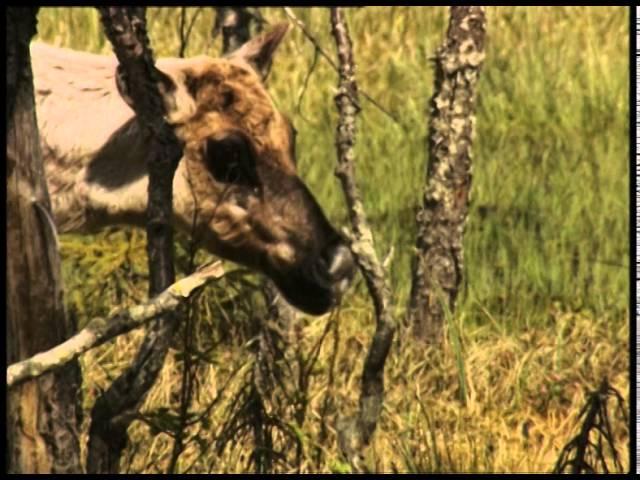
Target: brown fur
x=236, y=187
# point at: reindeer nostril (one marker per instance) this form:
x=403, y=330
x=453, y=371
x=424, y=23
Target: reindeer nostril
x=342, y=265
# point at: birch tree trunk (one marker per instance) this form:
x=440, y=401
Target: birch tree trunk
x=437, y=270
x=42, y=415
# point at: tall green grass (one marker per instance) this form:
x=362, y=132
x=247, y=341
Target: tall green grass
x=548, y=220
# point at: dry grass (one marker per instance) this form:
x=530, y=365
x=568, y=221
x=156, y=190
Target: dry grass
x=523, y=394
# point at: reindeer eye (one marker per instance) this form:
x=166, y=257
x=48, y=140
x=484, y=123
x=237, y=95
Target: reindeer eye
x=230, y=160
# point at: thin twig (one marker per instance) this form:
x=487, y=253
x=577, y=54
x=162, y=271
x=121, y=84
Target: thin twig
x=328, y=58
x=183, y=40
x=193, y=22
x=186, y=390
x=306, y=81
x=184, y=36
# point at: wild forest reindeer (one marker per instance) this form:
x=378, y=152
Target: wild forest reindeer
x=236, y=186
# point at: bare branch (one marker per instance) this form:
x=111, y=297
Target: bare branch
x=185, y=31
x=100, y=330
x=181, y=32
x=356, y=432
x=303, y=89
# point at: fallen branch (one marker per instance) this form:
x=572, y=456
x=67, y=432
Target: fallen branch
x=100, y=330
x=354, y=433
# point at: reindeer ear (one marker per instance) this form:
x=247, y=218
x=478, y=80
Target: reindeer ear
x=258, y=52
x=179, y=105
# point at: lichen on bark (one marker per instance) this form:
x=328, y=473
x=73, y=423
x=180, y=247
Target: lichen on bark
x=438, y=265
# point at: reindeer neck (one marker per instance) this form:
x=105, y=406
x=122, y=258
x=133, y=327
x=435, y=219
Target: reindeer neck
x=101, y=188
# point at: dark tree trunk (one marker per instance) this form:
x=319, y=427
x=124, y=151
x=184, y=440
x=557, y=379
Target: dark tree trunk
x=235, y=25
x=43, y=414
x=114, y=410
x=438, y=266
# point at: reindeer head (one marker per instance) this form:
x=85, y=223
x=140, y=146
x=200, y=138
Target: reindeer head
x=236, y=187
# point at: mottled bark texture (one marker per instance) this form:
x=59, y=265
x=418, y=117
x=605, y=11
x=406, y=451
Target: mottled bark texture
x=354, y=433
x=116, y=408
x=438, y=265
x=100, y=330
x=42, y=415
x=235, y=25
